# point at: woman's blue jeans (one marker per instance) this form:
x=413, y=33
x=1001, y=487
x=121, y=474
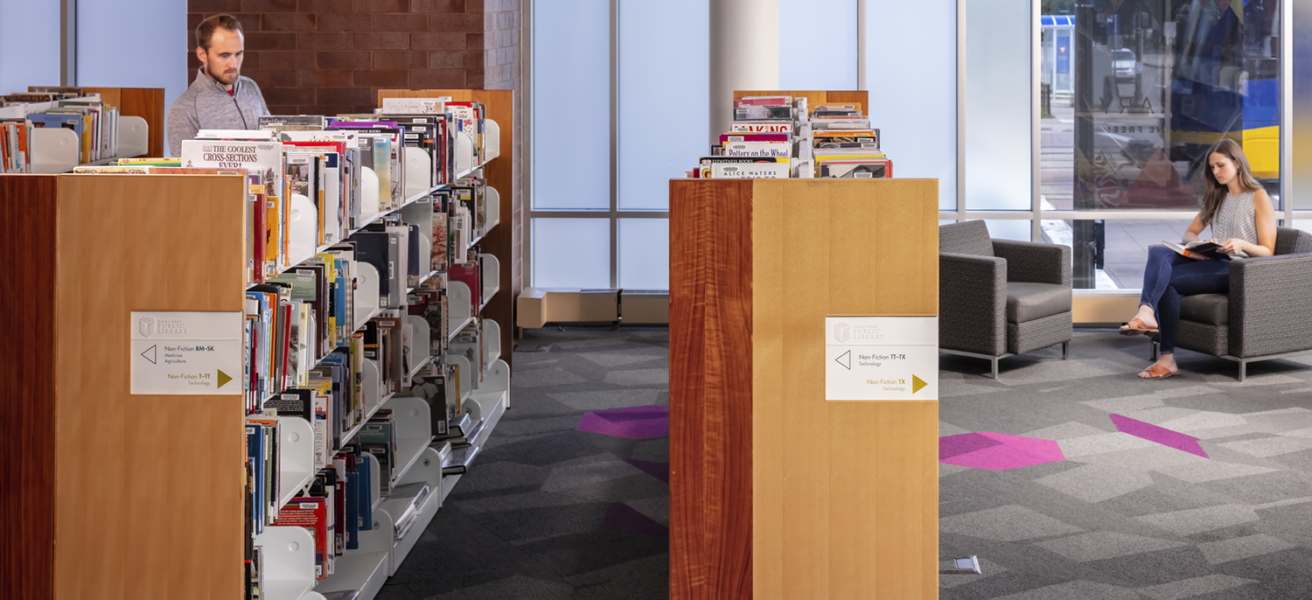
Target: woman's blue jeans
x=1168, y=276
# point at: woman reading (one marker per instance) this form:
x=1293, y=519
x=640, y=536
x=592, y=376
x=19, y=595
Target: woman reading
x=1243, y=224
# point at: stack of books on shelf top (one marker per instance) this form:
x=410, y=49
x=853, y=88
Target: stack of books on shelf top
x=776, y=137
x=365, y=278
x=93, y=122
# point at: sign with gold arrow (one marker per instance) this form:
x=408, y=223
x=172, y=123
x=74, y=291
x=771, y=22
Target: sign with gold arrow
x=881, y=358
x=185, y=353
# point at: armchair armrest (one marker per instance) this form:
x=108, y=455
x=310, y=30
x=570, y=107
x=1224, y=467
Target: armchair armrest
x=1270, y=305
x=1035, y=262
x=972, y=303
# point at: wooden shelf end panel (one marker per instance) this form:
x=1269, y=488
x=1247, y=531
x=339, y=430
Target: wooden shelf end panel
x=711, y=364
x=27, y=385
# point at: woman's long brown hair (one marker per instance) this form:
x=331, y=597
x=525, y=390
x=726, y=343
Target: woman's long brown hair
x=1215, y=193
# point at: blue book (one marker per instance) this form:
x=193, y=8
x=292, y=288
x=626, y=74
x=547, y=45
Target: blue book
x=363, y=488
x=255, y=452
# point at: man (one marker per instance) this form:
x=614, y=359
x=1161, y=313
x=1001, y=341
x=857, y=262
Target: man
x=219, y=98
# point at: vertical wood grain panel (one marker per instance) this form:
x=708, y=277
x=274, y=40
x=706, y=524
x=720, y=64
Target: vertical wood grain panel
x=500, y=174
x=150, y=502
x=27, y=384
x=850, y=508
x=711, y=369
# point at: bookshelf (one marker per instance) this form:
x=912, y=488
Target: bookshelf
x=849, y=508
x=501, y=241
x=141, y=130
x=145, y=493
x=144, y=103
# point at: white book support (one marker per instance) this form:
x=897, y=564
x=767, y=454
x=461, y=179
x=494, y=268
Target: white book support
x=460, y=313
x=464, y=153
x=420, y=343
x=490, y=399
x=418, y=171
x=295, y=458
x=491, y=140
x=368, y=196
x=288, y=565
x=303, y=229
x=491, y=210
x=427, y=469
x=491, y=341
x=413, y=433
x=490, y=276
x=366, y=293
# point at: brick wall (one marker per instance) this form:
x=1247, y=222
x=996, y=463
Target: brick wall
x=332, y=56
x=501, y=64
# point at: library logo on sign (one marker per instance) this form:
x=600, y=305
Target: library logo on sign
x=146, y=325
x=842, y=332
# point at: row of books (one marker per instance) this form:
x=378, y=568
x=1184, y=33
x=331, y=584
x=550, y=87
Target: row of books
x=776, y=137
x=334, y=508
x=93, y=121
x=16, y=146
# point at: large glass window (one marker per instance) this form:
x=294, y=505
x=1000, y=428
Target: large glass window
x=1153, y=84
x=581, y=118
x=29, y=45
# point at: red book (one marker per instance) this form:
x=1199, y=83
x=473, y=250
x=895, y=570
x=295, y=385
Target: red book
x=312, y=514
x=467, y=273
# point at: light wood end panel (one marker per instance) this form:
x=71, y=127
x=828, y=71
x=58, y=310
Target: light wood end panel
x=150, y=503
x=845, y=494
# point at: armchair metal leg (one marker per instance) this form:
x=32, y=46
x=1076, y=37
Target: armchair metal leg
x=995, y=368
x=1065, y=350
x=1243, y=370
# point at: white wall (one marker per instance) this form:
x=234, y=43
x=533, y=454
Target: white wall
x=999, y=124
x=911, y=76
x=29, y=44
x=142, y=44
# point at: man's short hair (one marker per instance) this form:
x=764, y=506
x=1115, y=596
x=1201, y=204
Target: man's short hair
x=205, y=30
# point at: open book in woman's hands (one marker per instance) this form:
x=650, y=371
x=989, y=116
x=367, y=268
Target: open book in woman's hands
x=1203, y=251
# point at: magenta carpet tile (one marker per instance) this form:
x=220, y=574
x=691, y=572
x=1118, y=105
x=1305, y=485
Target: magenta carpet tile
x=997, y=451
x=635, y=423
x=1160, y=435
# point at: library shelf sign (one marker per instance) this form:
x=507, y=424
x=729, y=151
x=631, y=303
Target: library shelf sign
x=881, y=358
x=186, y=353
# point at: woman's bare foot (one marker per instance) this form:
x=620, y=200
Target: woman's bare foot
x=1163, y=368
x=1146, y=316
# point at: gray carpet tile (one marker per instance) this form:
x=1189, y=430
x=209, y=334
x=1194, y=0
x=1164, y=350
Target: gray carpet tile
x=549, y=511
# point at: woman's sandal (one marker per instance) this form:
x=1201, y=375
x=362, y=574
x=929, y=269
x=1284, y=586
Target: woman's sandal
x=1142, y=328
x=1156, y=371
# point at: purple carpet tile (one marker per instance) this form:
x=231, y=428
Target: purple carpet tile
x=637, y=423
x=660, y=471
x=622, y=517
x=997, y=451
x=1160, y=435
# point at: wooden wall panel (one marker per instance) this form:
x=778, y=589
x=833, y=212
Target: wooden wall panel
x=27, y=384
x=131, y=243
x=501, y=241
x=711, y=367
x=845, y=493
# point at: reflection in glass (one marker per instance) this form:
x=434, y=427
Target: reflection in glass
x=1118, y=249
x=1155, y=84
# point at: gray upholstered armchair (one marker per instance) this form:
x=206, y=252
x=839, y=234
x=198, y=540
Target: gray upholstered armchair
x=1266, y=315
x=999, y=298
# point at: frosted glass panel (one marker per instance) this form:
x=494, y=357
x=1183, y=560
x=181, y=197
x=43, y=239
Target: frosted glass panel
x=645, y=254
x=998, y=119
x=658, y=73
x=911, y=72
x=817, y=45
x=571, y=97
x=29, y=44
x=146, y=41
x=1007, y=229
x=571, y=253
